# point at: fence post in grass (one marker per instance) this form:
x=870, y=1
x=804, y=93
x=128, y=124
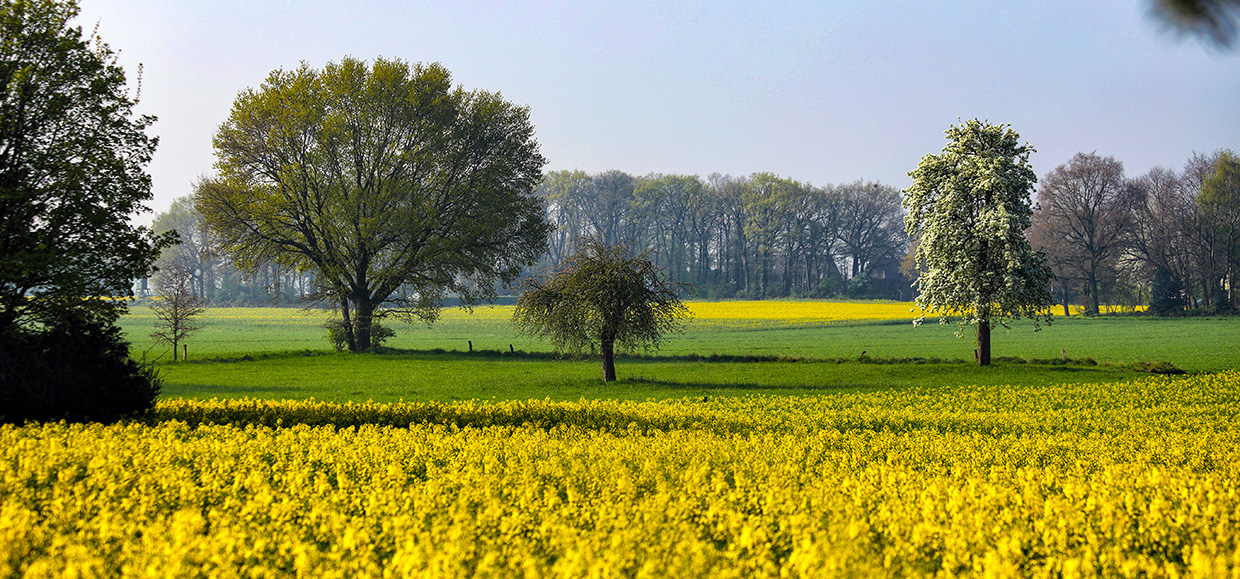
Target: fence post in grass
x=510, y=349
x=184, y=352
x=471, y=346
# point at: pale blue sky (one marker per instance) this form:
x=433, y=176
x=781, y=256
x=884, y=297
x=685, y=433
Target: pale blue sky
x=824, y=92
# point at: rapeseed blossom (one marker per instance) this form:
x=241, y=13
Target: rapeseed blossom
x=1126, y=479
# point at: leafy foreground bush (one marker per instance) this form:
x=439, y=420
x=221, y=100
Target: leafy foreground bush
x=75, y=370
x=1129, y=479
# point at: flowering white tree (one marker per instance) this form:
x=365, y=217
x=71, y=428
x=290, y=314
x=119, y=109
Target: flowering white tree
x=971, y=206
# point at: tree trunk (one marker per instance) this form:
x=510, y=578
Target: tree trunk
x=609, y=359
x=1063, y=289
x=1093, y=294
x=350, y=340
x=364, y=311
x=983, y=343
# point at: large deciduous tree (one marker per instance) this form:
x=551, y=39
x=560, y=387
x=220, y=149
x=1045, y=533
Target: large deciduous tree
x=195, y=252
x=1083, y=215
x=1160, y=237
x=971, y=206
x=377, y=178
x=72, y=171
x=73, y=161
x=601, y=297
x=767, y=200
x=870, y=225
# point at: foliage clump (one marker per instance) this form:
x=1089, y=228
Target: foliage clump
x=338, y=331
x=72, y=158
x=74, y=370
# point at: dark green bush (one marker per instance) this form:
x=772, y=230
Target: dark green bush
x=379, y=334
x=74, y=370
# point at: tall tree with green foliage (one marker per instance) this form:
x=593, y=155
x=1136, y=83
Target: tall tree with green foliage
x=379, y=178
x=601, y=297
x=72, y=171
x=767, y=200
x=1220, y=204
x=195, y=251
x=971, y=206
x=73, y=161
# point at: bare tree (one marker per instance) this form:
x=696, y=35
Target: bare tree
x=733, y=246
x=196, y=248
x=563, y=194
x=1082, y=203
x=608, y=206
x=177, y=305
x=1047, y=240
x=1159, y=237
x=1203, y=240
x=823, y=236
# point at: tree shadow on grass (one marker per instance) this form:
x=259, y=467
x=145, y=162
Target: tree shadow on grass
x=514, y=354
x=744, y=386
x=609, y=416
x=229, y=391
x=707, y=414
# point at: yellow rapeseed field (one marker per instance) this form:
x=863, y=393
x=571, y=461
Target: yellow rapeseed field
x=1138, y=479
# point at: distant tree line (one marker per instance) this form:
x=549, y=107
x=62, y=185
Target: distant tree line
x=757, y=236
x=213, y=277
x=1168, y=239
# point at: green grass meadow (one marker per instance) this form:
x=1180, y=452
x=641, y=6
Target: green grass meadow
x=281, y=353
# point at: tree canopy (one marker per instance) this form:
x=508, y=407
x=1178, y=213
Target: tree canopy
x=392, y=187
x=971, y=206
x=1220, y=202
x=72, y=171
x=600, y=297
x=73, y=161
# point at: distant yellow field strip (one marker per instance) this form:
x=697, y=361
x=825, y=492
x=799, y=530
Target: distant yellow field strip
x=803, y=311
x=792, y=311
x=729, y=313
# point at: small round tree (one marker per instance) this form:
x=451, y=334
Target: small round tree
x=602, y=296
